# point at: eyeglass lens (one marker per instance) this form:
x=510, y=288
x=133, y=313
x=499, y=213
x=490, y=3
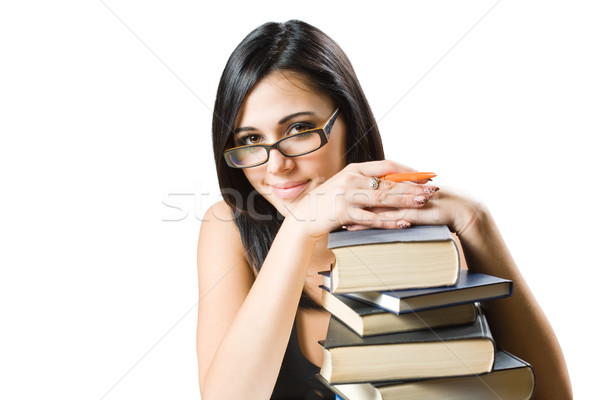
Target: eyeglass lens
x=297, y=144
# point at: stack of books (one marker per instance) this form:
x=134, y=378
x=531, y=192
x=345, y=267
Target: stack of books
x=407, y=323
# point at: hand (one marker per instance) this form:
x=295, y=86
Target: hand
x=446, y=207
x=347, y=199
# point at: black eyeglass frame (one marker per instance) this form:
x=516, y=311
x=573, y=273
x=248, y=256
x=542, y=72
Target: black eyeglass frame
x=323, y=131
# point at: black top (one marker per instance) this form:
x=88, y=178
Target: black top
x=296, y=380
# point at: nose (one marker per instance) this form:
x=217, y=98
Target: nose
x=278, y=162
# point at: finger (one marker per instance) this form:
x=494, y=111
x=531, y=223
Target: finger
x=422, y=181
x=381, y=168
x=400, y=224
x=429, y=214
x=406, y=187
x=398, y=215
x=394, y=194
x=385, y=198
x=363, y=219
x=357, y=227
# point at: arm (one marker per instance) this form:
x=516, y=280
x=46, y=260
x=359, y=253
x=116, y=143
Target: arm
x=244, y=324
x=518, y=323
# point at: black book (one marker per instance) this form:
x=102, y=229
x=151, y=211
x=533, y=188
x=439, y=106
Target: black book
x=452, y=351
x=471, y=287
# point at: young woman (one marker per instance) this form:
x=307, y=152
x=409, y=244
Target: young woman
x=296, y=148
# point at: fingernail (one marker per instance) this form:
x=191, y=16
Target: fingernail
x=403, y=224
x=431, y=189
x=420, y=199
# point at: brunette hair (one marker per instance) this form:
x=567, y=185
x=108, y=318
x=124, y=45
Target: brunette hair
x=290, y=46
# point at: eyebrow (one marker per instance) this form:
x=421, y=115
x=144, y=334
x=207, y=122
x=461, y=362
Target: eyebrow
x=281, y=122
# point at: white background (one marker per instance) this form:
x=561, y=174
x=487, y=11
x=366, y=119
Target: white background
x=106, y=165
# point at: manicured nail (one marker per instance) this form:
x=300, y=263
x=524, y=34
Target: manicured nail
x=431, y=189
x=403, y=224
x=420, y=199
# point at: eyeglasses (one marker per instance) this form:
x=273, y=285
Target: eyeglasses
x=295, y=145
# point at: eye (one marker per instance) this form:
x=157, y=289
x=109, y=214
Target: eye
x=252, y=138
x=300, y=127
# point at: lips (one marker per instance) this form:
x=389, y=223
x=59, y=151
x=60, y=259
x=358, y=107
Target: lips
x=288, y=190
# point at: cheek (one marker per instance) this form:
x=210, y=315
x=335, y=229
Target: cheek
x=254, y=176
x=336, y=159
x=330, y=162
x=338, y=145
x=337, y=153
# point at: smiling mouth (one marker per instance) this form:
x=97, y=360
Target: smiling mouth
x=289, y=190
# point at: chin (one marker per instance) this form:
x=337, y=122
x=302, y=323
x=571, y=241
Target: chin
x=285, y=207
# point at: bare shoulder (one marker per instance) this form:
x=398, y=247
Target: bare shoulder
x=219, y=243
x=218, y=223
x=224, y=274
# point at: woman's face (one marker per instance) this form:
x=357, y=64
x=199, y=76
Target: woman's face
x=282, y=104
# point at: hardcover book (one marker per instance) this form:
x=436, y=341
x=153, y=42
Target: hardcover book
x=380, y=259
x=471, y=287
x=451, y=351
x=367, y=320
x=510, y=379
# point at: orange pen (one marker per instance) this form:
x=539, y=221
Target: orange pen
x=408, y=176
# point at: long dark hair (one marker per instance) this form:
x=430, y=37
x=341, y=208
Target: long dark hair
x=291, y=46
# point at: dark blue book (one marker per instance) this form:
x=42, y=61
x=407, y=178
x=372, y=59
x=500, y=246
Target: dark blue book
x=471, y=287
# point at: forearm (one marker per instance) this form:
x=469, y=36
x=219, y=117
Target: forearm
x=518, y=323
x=249, y=356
